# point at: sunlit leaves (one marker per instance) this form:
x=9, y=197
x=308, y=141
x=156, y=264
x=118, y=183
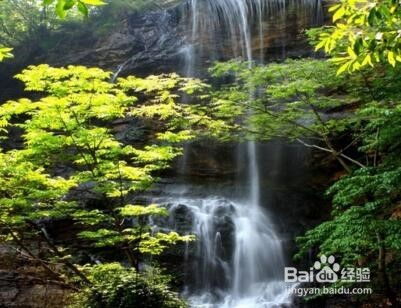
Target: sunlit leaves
x=172, y=137
x=164, y=104
x=152, y=154
x=91, y=217
x=5, y=52
x=139, y=210
x=63, y=6
x=157, y=243
x=62, y=81
x=103, y=237
x=28, y=192
x=365, y=33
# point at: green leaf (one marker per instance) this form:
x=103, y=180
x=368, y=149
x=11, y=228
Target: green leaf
x=339, y=14
x=351, y=52
x=367, y=60
x=320, y=45
x=69, y=4
x=83, y=9
x=334, y=7
x=61, y=12
x=391, y=58
x=343, y=68
x=5, y=52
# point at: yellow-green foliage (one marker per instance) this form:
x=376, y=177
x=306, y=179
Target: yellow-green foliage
x=27, y=192
x=5, y=52
x=139, y=210
x=365, y=33
x=165, y=106
x=70, y=126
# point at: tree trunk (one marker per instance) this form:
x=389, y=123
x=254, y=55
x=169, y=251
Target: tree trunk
x=383, y=272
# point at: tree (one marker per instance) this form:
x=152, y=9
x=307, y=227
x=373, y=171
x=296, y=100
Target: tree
x=290, y=101
x=69, y=150
x=22, y=21
x=366, y=226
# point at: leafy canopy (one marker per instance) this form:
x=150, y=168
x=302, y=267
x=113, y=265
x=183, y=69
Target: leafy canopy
x=365, y=33
x=289, y=101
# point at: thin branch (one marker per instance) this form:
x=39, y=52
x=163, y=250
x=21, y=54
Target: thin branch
x=20, y=243
x=332, y=152
x=54, y=248
x=90, y=167
x=314, y=146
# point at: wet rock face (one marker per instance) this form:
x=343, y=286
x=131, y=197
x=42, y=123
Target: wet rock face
x=147, y=42
x=158, y=41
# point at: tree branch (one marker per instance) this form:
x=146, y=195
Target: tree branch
x=332, y=152
x=54, y=248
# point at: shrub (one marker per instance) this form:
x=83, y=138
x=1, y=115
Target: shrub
x=117, y=287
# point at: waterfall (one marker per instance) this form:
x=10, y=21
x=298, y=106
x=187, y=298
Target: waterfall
x=238, y=260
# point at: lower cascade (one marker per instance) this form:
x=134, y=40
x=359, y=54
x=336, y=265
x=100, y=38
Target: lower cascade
x=237, y=260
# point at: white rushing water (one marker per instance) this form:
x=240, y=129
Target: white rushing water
x=238, y=255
